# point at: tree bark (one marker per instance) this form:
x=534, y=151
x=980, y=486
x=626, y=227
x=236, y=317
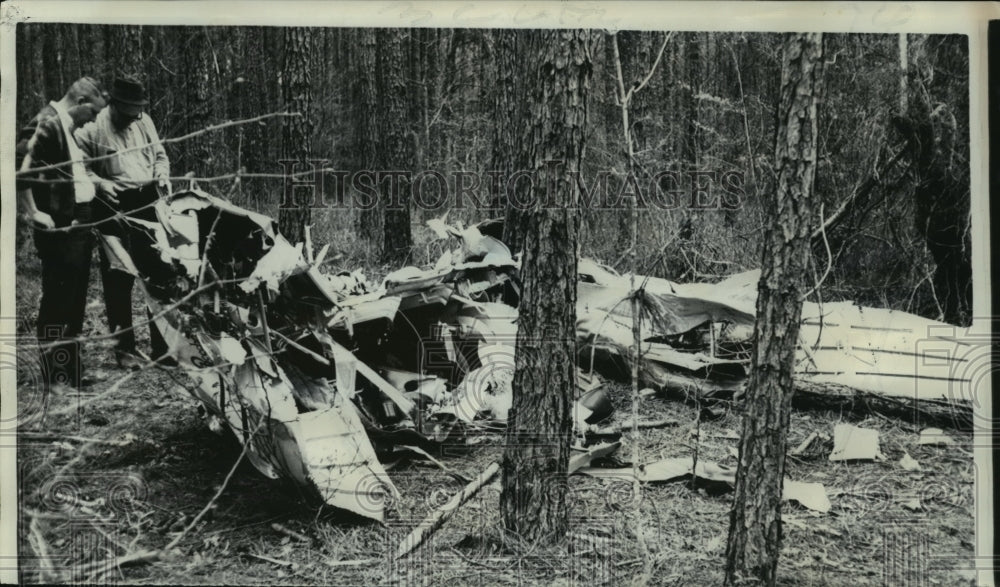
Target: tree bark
x=507, y=116
x=124, y=48
x=755, y=523
x=53, y=54
x=395, y=153
x=533, y=501
x=296, y=93
x=369, y=219
x=200, y=95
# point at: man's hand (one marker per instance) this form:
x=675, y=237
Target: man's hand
x=109, y=191
x=164, y=187
x=42, y=220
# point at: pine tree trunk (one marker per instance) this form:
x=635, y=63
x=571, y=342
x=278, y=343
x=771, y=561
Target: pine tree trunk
x=254, y=97
x=506, y=116
x=198, y=55
x=296, y=93
x=124, y=48
x=395, y=147
x=30, y=86
x=52, y=63
x=755, y=522
x=369, y=219
x=533, y=501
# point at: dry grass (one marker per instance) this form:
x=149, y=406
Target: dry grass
x=179, y=464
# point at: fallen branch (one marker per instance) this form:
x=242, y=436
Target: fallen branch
x=95, y=569
x=444, y=468
x=627, y=424
x=290, y=533
x=834, y=396
x=434, y=521
x=46, y=436
x=353, y=563
x=805, y=444
x=273, y=561
x=46, y=571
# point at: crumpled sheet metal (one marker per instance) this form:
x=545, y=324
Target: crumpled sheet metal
x=323, y=446
x=461, y=294
x=879, y=351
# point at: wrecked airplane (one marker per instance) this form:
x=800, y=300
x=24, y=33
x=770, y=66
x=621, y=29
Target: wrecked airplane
x=317, y=374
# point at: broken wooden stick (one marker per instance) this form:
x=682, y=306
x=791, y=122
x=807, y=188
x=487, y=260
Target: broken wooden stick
x=427, y=455
x=627, y=424
x=431, y=523
x=273, y=561
x=290, y=533
x=805, y=444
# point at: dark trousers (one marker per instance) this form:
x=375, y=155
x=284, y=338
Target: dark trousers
x=65, y=260
x=118, y=284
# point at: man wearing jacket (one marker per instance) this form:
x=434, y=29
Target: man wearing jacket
x=131, y=170
x=56, y=201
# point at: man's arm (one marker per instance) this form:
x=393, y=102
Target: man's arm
x=24, y=137
x=161, y=166
x=86, y=139
x=26, y=199
x=31, y=149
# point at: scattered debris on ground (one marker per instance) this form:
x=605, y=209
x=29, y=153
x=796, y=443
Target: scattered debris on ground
x=425, y=358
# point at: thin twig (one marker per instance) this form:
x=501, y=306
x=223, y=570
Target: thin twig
x=190, y=135
x=160, y=314
x=652, y=69
x=101, y=567
x=829, y=258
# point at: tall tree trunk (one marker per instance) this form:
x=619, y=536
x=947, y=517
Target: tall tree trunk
x=53, y=56
x=296, y=93
x=124, y=48
x=200, y=96
x=30, y=86
x=755, y=522
x=273, y=95
x=507, y=116
x=395, y=152
x=254, y=96
x=533, y=501
x=369, y=219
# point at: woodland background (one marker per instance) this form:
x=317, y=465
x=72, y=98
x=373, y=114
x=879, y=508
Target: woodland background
x=893, y=181
x=893, y=175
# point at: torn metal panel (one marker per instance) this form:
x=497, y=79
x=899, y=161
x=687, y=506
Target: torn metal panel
x=882, y=351
x=274, y=393
x=331, y=367
x=851, y=443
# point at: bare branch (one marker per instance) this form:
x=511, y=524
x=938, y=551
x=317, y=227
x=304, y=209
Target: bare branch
x=190, y=135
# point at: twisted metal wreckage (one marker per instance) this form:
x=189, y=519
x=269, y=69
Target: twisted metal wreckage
x=320, y=373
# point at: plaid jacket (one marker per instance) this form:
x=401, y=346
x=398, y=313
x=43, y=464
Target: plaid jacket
x=44, y=139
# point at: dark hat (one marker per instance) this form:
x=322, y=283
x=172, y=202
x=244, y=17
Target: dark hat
x=129, y=91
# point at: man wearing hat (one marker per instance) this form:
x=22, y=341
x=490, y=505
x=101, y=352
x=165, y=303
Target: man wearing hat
x=131, y=172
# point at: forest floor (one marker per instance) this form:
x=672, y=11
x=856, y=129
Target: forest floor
x=124, y=469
